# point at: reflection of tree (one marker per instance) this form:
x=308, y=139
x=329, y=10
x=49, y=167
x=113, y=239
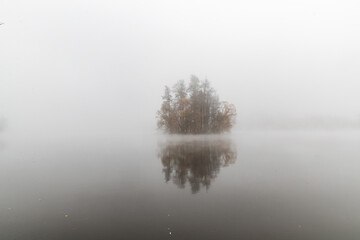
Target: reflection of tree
x=196, y=162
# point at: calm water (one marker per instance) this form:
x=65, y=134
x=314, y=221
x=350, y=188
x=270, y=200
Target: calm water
x=254, y=185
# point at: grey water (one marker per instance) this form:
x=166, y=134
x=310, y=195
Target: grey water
x=248, y=185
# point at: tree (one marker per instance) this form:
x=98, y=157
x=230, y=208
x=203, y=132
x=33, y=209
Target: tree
x=166, y=118
x=194, y=109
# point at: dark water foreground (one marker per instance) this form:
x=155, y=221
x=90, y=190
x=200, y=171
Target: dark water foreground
x=274, y=185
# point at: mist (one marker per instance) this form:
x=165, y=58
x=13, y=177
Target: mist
x=100, y=67
x=81, y=156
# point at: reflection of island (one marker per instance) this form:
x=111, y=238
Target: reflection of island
x=196, y=162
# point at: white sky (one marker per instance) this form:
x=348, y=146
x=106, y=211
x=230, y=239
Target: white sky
x=102, y=65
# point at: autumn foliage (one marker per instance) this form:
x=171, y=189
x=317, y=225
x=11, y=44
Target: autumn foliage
x=194, y=109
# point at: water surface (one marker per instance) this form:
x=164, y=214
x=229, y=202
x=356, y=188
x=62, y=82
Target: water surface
x=252, y=185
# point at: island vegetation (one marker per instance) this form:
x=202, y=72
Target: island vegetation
x=194, y=109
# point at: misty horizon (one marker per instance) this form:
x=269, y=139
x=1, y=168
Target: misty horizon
x=74, y=65
x=93, y=146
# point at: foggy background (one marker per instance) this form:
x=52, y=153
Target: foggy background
x=99, y=67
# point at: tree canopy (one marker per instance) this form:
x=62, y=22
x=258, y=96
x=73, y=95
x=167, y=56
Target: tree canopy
x=194, y=108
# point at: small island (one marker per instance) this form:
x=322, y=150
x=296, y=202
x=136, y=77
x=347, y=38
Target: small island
x=194, y=109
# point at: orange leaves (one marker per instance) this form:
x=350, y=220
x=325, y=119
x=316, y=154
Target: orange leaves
x=195, y=109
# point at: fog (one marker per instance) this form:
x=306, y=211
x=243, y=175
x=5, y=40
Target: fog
x=99, y=67
x=80, y=153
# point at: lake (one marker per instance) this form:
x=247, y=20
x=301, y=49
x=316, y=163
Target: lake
x=249, y=185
